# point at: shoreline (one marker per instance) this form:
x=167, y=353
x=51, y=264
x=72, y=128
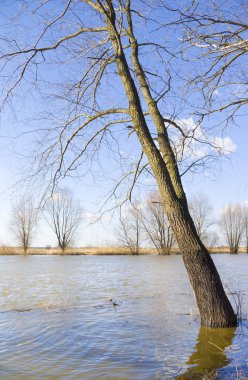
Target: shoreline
x=96, y=251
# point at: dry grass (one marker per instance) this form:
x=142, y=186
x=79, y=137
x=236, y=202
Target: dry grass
x=6, y=250
x=224, y=249
x=76, y=251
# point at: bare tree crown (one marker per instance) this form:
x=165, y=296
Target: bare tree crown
x=24, y=219
x=64, y=216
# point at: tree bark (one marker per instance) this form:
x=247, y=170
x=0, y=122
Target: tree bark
x=214, y=306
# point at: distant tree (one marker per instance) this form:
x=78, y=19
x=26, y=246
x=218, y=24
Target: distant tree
x=232, y=224
x=156, y=224
x=200, y=210
x=130, y=229
x=213, y=239
x=64, y=216
x=24, y=219
x=245, y=211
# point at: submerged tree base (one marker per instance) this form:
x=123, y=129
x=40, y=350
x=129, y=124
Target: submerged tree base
x=214, y=306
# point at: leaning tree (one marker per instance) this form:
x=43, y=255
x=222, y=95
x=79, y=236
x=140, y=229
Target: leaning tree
x=106, y=61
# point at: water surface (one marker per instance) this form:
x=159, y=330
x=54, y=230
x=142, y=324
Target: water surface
x=57, y=320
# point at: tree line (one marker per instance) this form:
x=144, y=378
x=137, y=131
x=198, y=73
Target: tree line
x=146, y=222
x=142, y=223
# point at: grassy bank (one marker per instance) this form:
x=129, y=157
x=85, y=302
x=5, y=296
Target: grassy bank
x=5, y=250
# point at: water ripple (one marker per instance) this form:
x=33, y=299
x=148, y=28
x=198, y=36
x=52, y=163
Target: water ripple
x=57, y=320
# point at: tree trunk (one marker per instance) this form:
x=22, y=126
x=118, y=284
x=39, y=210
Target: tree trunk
x=165, y=251
x=214, y=306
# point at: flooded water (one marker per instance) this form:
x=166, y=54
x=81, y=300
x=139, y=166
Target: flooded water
x=115, y=317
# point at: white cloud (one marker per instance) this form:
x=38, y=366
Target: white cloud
x=188, y=125
x=199, y=143
x=225, y=144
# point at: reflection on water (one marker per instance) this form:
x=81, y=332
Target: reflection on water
x=56, y=321
x=209, y=353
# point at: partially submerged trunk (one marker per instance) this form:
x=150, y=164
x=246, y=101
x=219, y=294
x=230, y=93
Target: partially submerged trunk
x=214, y=306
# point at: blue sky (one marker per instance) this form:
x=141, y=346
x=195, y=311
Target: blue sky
x=225, y=181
